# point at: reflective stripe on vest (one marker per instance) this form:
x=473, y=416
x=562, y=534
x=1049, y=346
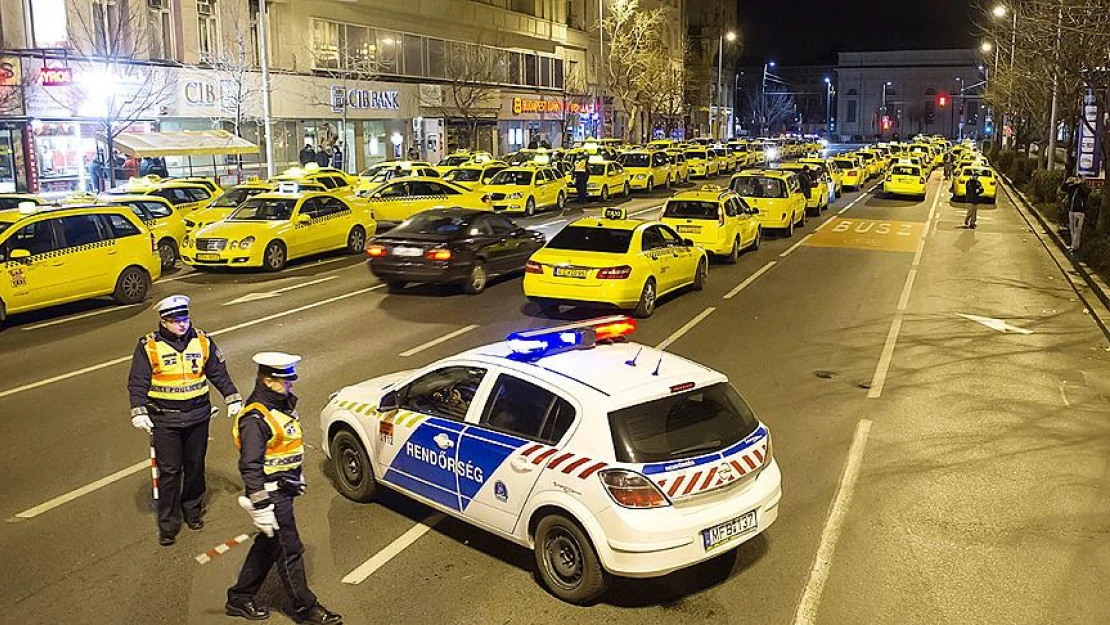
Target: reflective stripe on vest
x=285, y=448
x=177, y=375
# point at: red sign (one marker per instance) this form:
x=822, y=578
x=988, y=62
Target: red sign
x=56, y=76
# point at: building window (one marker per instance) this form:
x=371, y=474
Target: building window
x=252, y=9
x=105, y=15
x=208, y=30
x=159, y=29
x=325, y=44
x=530, y=70
x=388, y=52
x=853, y=111
x=545, y=71
x=435, y=59
x=414, y=55
x=516, y=70
x=559, y=78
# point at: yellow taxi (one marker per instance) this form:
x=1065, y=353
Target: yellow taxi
x=274, y=227
x=228, y=201
x=662, y=144
x=527, y=190
x=607, y=178
x=986, y=179
x=852, y=172
x=925, y=153
x=613, y=261
x=377, y=175
x=9, y=201
x=906, y=179
x=185, y=194
x=329, y=177
x=870, y=163
x=54, y=255
x=699, y=164
x=401, y=198
x=474, y=175
x=832, y=172
x=741, y=152
x=158, y=215
x=717, y=220
x=775, y=195
x=818, y=198
x=679, y=167
x=726, y=161
x=460, y=158
x=647, y=169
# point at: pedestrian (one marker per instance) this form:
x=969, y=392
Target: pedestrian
x=337, y=156
x=972, y=190
x=269, y=437
x=545, y=144
x=307, y=155
x=533, y=144
x=948, y=165
x=323, y=156
x=158, y=167
x=582, y=180
x=1076, y=192
x=414, y=154
x=130, y=167
x=96, y=172
x=168, y=387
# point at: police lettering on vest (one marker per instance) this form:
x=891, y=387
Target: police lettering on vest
x=285, y=447
x=177, y=375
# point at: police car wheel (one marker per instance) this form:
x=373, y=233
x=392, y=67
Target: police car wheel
x=700, y=274
x=274, y=257
x=567, y=562
x=646, y=306
x=353, y=474
x=132, y=286
x=356, y=240
x=167, y=253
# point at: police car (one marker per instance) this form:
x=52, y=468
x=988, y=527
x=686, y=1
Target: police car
x=605, y=457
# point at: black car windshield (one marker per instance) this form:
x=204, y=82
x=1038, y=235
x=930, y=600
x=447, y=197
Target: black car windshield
x=516, y=178
x=635, y=160
x=759, y=187
x=464, y=175
x=845, y=163
x=684, y=425
x=431, y=222
x=587, y=239
x=690, y=209
x=234, y=197
x=256, y=209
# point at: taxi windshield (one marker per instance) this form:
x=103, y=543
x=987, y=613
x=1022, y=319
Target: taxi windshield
x=454, y=161
x=906, y=170
x=635, y=160
x=694, y=423
x=701, y=155
x=464, y=175
x=256, y=209
x=756, y=186
x=431, y=222
x=234, y=197
x=516, y=178
x=984, y=173
x=691, y=209
x=587, y=239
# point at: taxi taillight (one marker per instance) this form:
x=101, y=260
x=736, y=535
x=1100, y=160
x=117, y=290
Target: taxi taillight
x=720, y=216
x=921, y=180
x=632, y=490
x=533, y=267
x=614, y=273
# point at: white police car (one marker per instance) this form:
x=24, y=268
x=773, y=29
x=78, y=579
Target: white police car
x=603, y=456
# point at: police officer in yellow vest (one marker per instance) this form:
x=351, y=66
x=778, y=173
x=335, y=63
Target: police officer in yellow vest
x=271, y=452
x=168, y=387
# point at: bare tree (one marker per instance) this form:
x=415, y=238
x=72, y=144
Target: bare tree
x=235, y=68
x=633, y=37
x=666, y=95
x=574, y=90
x=772, y=106
x=470, y=92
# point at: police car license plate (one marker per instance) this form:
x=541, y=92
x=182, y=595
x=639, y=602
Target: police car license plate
x=691, y=229
x=567, y=272
x=203, y=256
x=407, y=251
x=720, y=534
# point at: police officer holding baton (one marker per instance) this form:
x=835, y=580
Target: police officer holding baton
x=168, y=387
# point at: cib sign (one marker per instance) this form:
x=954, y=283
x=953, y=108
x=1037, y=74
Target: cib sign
x=200, y=93
x=342, y=98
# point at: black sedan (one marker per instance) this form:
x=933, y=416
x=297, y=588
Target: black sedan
x=452, y=245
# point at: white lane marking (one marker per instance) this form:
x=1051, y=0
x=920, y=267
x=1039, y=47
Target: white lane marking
x=806, y=614
x=645, y=210
x=437, y=341
x=824, y=223
x=1000, y=325
x=752, y=278
x=92, y=313
x=858, y=198
x=84, y=490
x=252, y=297
x=796, y=246
x=551, y=223
x=380, y=559
x=240, y=326
x=686, y=328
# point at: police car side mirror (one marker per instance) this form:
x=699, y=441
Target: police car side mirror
x=388, y=402
x=19, y=254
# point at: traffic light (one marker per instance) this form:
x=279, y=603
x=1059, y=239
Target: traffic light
x=886, y=122
x=942, y=101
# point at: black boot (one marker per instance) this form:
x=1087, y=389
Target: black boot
x=167, y=538
x=247, y=609
x=319, y=615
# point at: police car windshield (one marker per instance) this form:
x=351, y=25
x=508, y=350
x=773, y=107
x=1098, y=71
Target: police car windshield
x=690, y=209
x=234, y=197
x=256, y=209
x=635, y=160
x=516, y=178
x=431, y=222
x=586, y=239
x=464, y=175
x=684, y=425
x=759, y=187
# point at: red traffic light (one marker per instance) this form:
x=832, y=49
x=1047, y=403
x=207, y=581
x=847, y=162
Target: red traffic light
x=886, y=122
x=942, y=100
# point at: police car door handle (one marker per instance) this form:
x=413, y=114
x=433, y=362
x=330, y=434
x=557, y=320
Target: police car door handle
x=522, y=464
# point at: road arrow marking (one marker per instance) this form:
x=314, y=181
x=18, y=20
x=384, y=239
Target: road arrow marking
x=996, y=324
x=254, y=297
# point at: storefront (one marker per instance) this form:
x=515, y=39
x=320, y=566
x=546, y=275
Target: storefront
x=532, y=120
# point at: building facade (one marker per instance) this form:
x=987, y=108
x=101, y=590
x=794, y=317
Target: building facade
x=711, y=97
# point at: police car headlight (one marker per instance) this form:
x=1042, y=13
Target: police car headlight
x=245, y=243
x=632, y=490
x=516, y=196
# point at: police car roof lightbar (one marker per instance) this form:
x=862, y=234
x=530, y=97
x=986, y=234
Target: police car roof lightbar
x=530, y=345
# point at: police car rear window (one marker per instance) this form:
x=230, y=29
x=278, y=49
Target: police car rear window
x=684, y=425
x=585, y=239
x=689, y=209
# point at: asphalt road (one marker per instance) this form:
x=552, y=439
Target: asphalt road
x=935, y=467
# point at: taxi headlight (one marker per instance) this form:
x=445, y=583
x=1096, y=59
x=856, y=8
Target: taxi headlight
x=233, y=245
x=640, y=176
x=245, y=243
x=187, y=242
x=515, y=196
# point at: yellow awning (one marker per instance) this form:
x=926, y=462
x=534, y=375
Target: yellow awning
x=184, y=143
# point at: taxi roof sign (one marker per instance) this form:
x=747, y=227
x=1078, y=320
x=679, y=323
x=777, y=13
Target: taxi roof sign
x=288, y=187
x=615, y=213
x=28, y=208
x=596, y=158
x=711, y=187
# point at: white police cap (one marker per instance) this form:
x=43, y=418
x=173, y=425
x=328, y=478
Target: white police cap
x=277, y=365
x=174, y=306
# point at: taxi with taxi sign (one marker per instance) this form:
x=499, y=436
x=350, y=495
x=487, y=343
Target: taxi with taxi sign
x=607, y=178
x=185, y=194
x=679, y=167
x=775, y=195
x=474, y=175
x=647, y=169
x=613, y=262
x=699, y=164
x=54, y=255
x=986, y=179
x=852, y=172
x=716, y=219
x=818, y=199
x=741, y=153
x=908, y=179
x=726, y=160
x=229, y=200
x=460, y=158
x=828, y=171
x=527, y=189
x=272, y=228
x=401, y=198
x=604, y=457
x=870, y=161
x=157, y=214
x=374, y=177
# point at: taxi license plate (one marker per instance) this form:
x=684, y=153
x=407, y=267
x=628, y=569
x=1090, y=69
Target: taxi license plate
x=691, y=229
x=407, y=251
x=718, y=535
x=204, y=256
x=567, y=272
x=903, y=180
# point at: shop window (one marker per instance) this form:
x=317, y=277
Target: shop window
x=414, y=55
x=435, y=59
x=530, y=70
x=159, y=30
x=208, y=30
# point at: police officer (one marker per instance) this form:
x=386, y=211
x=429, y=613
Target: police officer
x=168, y=387
x=582, y=180
x=271, y=451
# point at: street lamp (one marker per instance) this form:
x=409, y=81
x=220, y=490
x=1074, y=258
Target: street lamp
x=730, y=36
x=986, y=47
x=763, y=99
x=999, y=11
x=829, y=90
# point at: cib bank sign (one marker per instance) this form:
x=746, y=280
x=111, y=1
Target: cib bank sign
x=342, y=98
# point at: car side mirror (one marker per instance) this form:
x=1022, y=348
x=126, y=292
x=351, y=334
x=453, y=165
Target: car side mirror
x=19, y=254
x=754, y=211
x=304, y=219
x=688, y=242
x=388, y=401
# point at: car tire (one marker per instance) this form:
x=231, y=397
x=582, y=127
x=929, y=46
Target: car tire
x=567, y=562
x=274, y=256
x=734, y=253
x=132, y=286
x=356, y=240
x=805, y=217
x=167, y=253
x=650, y=185
x=395, y=286
x=627, y=190
x=790, y=227
x=561, y=202
x=700, y=275
x=548, y=309
x=477, y=280
x=354, y=475
x=758, y=238
x=3, y=313
x=605, y=193
x=530, y=207
x=646, y=306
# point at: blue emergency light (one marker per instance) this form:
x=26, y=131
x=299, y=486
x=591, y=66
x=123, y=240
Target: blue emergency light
x=530, y=345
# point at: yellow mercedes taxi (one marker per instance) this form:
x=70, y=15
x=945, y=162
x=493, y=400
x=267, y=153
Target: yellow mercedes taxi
x=185, y=194
x=158, y=215
x=818, y=198
x=55, y=255
x=852, y=172
x=726, y=160
x=716, y=219
x=742, y=153
x=474, y=175
x=986, y=179
x=775, y=195
x=647, y=169
x=401, y=198
x=272, y=228
x=698, y=163
x=679, y=167
x=228, y=201
x=460, y=158
x=614, y=262
x=9, y=201
x=907, y=179
x=377, y=175
x=607, y=178
x=527, y=190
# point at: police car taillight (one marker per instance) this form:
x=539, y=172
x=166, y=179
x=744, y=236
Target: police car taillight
x=632, y=490
x=535, y=344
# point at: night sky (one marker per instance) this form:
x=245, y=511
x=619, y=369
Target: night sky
x=795, y=32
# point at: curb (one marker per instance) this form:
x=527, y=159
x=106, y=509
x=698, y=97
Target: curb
x=1069, y=265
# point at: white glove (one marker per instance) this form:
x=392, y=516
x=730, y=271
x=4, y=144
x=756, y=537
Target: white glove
x=142, y=422
x=234, y=408
x=263, y=518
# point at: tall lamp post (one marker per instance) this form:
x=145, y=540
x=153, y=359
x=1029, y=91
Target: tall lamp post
x=829, y=90
x=600, y=95
x=999, y=12
x=882, y=109
x=730, y=36
x=763, y=99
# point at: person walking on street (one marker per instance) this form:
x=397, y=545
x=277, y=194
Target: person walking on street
x=948, y=164
x=337, y=157
x=323, y=156
x=168, y=388
x=972, y=190
x=269, y=437
x=1076, y=193
x=307, y=155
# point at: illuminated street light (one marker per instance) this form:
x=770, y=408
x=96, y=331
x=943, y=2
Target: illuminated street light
x=999, y=11
x=986, y=46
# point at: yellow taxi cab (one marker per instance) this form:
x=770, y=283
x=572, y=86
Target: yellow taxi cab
x=852, y=172
x=527, y=189
x=986, y=179
x=274, y=227
x=699, y=164
x=741, y=152
x=613, y=261
x=925, y=153
x=647, y=169
x=377, y=175
x=832, y=172
x=679, y=167
x=9, y=201
x=726, y=160
x=158, y=215
x=228, y=201
x=906, y=179
x=330, y=177
x=401, y=198
x=818, y=198
x=474, y=175
x=55, y=255
x=460, y=158
x=775, y=195
x=870, y=163
x=717, y=220
x=185, y=194
x=662, y=144
x=607, y=178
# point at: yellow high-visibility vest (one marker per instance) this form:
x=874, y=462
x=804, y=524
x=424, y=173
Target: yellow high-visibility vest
x=285, y=448
x=177, y=375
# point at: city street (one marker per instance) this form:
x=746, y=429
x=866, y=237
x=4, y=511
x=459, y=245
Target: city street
x=939, y=400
